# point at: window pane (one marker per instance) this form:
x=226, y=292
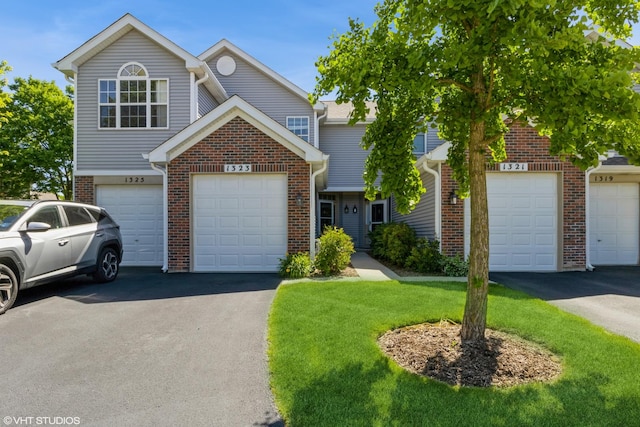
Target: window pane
x=48, y=215
x=77, y=215
x=418, y=144
x=133, y=116
x=158, y=116
x=299, y=126
x=107, y=91
x=159, y=91
x=107, y=117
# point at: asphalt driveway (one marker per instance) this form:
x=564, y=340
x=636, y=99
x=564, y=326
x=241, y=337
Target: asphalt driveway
x=149, y=349
x=608, y=296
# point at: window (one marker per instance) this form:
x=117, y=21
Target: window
x=299, y=126
x=133, y=100
x=48, y=215
x=419, y=144
x=77, y=215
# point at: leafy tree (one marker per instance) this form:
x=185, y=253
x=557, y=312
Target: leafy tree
x=38, y=138
x=4, y=99
x=467, y=65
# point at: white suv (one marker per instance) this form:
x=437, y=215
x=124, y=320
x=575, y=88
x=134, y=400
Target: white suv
x=42, y=241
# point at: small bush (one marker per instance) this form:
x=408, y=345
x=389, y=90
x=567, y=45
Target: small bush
x=425, y=257
x=334, y=253
x=455, y=266
x=296, y=266
x=393, y=242
x=377, y=246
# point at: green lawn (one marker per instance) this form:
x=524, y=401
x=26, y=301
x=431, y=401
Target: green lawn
x=327, y=370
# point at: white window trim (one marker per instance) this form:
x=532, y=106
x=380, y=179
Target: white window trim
x=308, y=135
x=147, y=103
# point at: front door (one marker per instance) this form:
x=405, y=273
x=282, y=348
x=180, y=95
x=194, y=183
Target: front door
x=377, y=214
x=326, y=214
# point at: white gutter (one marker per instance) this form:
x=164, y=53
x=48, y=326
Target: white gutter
x=75, y=139
x=194, y=94
x=316, y=136
x=165, y=213
x=587, y=216
x=312, y=206
x=438, y=197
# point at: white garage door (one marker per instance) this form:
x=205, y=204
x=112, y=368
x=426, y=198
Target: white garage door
x=523, y=222
x=240, y=222
x=614, y=224
x=138, y=211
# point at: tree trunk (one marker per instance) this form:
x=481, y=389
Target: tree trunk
x=475, y=310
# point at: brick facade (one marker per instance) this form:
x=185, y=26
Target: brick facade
x=524, y=145
x=236, y=142
x=84, y=191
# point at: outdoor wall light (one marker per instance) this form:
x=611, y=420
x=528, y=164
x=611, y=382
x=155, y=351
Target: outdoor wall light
x=346, y=209
x=355, y=209
x=299, y=199
x=453, y=198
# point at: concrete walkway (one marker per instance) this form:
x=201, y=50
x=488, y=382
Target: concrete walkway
x=370, y=269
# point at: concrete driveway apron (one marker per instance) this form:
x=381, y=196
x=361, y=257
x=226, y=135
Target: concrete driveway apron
x=149, y=349
x=608, y=296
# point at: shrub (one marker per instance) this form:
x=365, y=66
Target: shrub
x=334, y=253
x=425, y=257
x=392, y=242
x=296, y=266
x=455, y=266
x=377, y=246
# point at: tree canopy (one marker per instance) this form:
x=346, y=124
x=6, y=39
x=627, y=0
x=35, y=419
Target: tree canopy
x=471, y=66
x=37, y=139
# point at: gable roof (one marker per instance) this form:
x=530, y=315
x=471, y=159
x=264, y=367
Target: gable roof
x=225, y=44
x=224, y=113
x=70, y=63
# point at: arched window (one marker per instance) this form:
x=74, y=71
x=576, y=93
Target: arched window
x=133, y=100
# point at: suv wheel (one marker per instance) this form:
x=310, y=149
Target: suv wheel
x=8, y=288
x=107, y=266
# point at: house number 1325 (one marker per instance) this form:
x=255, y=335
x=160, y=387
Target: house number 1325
x=134, y=179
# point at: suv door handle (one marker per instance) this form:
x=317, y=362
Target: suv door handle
x=63, y=242
x=99, y=234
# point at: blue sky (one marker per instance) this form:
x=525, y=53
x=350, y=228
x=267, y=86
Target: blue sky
x=287, y=36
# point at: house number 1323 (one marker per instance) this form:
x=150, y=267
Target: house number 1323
x=237, y=168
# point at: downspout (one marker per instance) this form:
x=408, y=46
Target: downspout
x=316, y=136
x=194, y=94
x=312, y=206
x=438, y=199
x=587, y=216
x=165, y=215
x=75, y=137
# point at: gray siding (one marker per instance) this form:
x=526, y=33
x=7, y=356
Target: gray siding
x=264, y=93
x=346, y=164
x=423, y=217
x=206, y=102
x=117, y=149
x=433, y=141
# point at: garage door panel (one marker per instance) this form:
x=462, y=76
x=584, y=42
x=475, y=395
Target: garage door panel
x=523, y=225
x=138, y=210
x=614, y=233
x=249, y=210
x=521, y=221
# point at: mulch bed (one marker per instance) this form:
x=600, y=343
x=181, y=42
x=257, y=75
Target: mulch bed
x=435, y=351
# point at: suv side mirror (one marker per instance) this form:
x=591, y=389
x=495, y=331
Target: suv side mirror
x=38, y=226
